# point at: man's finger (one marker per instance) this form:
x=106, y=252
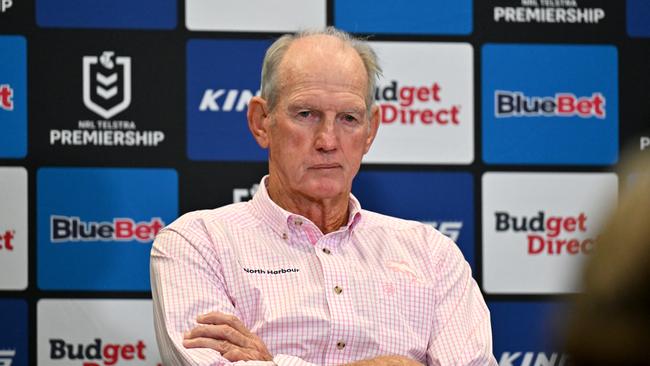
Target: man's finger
x=216, y=318
x=221, y=332
x=237, y=354
x=204, y=342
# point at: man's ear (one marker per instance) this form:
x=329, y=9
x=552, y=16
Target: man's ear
x=373, y=127
x=258, y=114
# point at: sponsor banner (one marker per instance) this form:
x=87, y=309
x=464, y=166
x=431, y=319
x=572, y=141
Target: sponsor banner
x=222, y=76
x=121, y=14
x=96, y=225
x=96, y=333
x=426, y=102
x=13, y=97
x=13, y=338
x=638, y=13
x=13, y=229
x=201, y=187
x=443, y=200
x=550, y=104
x=528, y=333
x=121, y=96
x=539, y=227
x=254, y=15
x=412, y=17
x=564, y=19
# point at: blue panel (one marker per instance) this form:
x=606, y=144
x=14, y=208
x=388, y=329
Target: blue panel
x=525, y=333
x=444, y=198
x=115, y=257
x=638, y=16
x=118, y=14
x=13, y=97
x=405, y=17
x=13, y=338
x=221, y=77
x=560, y=78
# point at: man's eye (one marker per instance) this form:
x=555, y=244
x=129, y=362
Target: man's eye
x=304, y=114
x=349, y=118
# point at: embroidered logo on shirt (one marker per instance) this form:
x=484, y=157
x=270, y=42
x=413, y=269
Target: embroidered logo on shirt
x=271, y=271
x=405, y=268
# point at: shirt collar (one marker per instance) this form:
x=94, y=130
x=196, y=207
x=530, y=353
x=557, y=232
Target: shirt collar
x=280, y=219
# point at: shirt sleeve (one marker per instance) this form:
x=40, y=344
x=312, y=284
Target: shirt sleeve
x=186, y=281
x=464, y=335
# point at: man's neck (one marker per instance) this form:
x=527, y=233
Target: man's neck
x=328, y=214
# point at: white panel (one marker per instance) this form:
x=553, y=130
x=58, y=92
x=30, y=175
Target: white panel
x=13, y=228
x=442, y=81
x=255, y=15
x=80, y=323
x=514, y=261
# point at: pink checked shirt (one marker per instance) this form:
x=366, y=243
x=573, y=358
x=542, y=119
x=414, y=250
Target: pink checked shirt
x=378, y=286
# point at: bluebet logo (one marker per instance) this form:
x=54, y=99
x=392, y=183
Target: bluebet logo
x=6, y=97
x=101, y=221
x=550, y=104
x=450, y=229
x=13, y=97
x=218, y=91
x=517, y=104
x=72, y=229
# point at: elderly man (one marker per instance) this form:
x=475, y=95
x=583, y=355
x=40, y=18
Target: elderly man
x=300, y=274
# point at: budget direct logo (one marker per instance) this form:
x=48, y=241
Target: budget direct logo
x=443, y=200
x=98, y=352
x=13, y=97
x=218, y=91
x=101, y=222
x=426, y=104
x=565, y=112
x=539, y=227
x=545, y=234
x=106, y=333
x=13, y=228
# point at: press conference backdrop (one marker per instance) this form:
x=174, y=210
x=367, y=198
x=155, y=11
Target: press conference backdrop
x=503, y=122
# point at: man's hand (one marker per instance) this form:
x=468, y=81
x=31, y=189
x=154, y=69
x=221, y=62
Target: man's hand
x=392, y=360
x=227, y=335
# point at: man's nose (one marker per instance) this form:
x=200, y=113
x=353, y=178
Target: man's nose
x=326, y=139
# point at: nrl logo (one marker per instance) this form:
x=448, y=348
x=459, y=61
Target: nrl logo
x=102, y=91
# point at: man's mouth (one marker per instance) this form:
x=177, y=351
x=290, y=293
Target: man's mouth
x=326, y=166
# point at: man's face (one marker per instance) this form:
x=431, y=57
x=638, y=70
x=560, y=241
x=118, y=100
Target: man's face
x=320, y=128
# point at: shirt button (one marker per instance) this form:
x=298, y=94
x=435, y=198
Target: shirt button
x=326, y=251
x=338, y=290
x=285, y=236
x=340, y=345
x=298, y=222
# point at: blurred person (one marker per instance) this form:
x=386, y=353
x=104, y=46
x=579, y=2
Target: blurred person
x=609, y=323
x=301, y=274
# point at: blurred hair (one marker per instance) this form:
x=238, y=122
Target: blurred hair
x=610, y=322
x=275, y=54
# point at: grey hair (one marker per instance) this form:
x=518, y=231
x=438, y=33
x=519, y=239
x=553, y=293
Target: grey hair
x=275, y=54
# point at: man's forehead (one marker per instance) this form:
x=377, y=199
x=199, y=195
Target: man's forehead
x=321, y=57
